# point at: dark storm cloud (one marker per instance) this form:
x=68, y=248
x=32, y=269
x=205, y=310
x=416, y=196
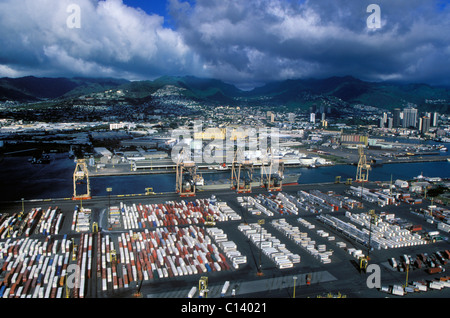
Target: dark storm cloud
x=267, y=40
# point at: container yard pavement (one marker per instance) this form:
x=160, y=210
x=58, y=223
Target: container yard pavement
x=248, y=288
x=341, y=275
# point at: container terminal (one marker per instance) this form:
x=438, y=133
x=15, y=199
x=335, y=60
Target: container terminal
x=305, y=240
x=266, y=238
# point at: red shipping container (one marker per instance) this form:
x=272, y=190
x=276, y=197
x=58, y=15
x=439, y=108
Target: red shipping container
x=26, y=287
x=12, y=291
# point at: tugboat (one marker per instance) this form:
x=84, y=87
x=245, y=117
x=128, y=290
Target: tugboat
x=221, y=167
x=44, y=158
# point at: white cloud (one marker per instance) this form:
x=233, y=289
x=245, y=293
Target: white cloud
x=113, y=40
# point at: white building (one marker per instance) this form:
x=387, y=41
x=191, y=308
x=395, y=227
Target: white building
x=401, y=183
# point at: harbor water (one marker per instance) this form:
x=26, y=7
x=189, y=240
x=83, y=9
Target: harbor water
x=21, y=179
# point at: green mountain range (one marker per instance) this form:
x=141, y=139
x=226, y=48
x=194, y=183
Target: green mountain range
x=295, y=93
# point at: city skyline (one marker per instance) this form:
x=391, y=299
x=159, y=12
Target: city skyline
x=246, y=44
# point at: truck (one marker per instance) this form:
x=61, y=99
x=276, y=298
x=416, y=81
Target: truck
x=436, y=285
x=406, y=259
x=441, y=258
x=416, y=228
x=398, y=290
x=421, y=286
x=393, y=263
x=192, y=292
x=434, y=270
x=418, y=263
x=224, y=289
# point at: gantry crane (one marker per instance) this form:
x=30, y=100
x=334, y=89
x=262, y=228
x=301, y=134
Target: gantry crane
x=362, y=173
x=272, y=172
x=241, y=173
x=186, y=175
x=80, y=177
x=364, y=261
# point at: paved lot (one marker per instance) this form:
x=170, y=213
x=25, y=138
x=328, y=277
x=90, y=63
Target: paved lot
x=340, y=276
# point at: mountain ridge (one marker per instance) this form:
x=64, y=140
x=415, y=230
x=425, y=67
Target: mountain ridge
x=298, y=93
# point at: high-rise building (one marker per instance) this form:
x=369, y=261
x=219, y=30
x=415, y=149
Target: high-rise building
x=312, y=118
x=434, y=119
x=383, y=120
x=410, y=117
x=390, y=123
x=425, y=127
x=396, y=119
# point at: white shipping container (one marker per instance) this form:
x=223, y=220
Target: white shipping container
x=192, y=292
x=59, y=292
x=420, y=286
x=6, y=293
x=436, y=285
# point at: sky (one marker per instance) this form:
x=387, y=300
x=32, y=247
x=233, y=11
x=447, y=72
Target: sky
x=243, y=42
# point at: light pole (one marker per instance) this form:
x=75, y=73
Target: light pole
x=109, y=190
x=260, y=222
x=407, y=273
x=295, y=283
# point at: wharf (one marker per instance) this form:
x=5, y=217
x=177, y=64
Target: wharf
x=124, y=169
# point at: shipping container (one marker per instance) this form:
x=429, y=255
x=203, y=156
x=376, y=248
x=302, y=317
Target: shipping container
x=225, y=289
x=192, y=292
x=434, y=270
x=398, y=290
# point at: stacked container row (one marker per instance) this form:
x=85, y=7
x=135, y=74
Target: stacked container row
x=270, y=245
x=303, y=240
x=171, y=213
x=227, y=246
x=81, y=219
x=385, y=234
x=28, y=223
x=34, y=268
x=162, y=253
